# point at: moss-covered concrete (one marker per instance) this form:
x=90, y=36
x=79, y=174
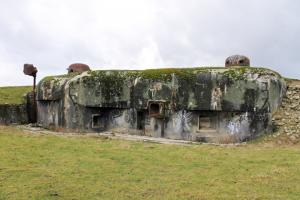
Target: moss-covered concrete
x=13, y=104
x=127, y=97
x=13, y=114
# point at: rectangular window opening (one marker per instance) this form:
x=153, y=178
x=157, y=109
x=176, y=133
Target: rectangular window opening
x=204, y=123
x=97, y=121
x=154, y=109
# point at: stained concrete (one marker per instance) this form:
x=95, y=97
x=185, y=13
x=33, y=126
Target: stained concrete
x=195, y=104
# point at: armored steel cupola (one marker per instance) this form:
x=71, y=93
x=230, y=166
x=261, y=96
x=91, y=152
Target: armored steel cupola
x=237, y=60
x=78, y=67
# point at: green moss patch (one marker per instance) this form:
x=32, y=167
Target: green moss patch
x=165, y=74
x=112, y=82
x=240, y=73
x=14, y=95
x=57, y=78
x=162, y=74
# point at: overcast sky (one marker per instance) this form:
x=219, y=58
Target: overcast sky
x=138, y=34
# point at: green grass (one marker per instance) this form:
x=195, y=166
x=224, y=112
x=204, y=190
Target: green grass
x=56, y=167
x=13, y=95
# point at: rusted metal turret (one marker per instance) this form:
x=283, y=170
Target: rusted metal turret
x=78, y=67
x=30, y=70
x=237, y=60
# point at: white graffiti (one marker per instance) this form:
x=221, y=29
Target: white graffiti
x=181, y=121
x=239, y=125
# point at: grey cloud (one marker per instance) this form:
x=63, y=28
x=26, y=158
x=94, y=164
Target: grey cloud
x=138, y=34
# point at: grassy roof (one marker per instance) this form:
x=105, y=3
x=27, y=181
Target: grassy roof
x=13, y=95
x=235, y=73
x=292, y=81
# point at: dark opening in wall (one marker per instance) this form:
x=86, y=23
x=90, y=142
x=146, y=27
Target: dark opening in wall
x=204, y=122
x=209, y=120
x=140, y=120
x=156, y=126
x=97, y=121
x=154, y=109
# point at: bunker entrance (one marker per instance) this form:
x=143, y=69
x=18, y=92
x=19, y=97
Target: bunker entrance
x=98, y=121
x=141, y=120
x=156, y=110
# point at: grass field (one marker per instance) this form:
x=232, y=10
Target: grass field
x=60, y=167
x=13, y=95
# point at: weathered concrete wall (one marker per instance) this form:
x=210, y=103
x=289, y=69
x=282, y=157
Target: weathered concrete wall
x=287, y=118
x=191, y=104
x=10, y=114
x=14, y=104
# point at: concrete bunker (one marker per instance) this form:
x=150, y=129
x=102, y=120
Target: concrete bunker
x=187, y=104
